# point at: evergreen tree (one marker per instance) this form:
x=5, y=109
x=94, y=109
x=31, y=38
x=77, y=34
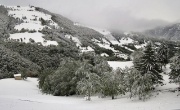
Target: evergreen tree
x=147, y=64
x=145, y=74
x=175, y=69
x=162, y=55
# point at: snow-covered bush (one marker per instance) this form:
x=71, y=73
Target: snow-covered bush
x=175, y=69
x=113, y=83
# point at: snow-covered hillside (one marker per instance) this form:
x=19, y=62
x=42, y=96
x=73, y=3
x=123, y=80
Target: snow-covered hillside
x=120, y=44
x=37, y=37
x=30, y=19
x=25, y=95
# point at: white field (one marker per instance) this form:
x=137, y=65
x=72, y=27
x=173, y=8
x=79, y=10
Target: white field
x=141, y=46
x=86, y=49
x=117, y=64
x=37, y=37
x=75, y=39
x=25, y=95
x=30, y=18
x=126, y=41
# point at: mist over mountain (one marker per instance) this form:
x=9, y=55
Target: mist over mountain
x=169, y=32
x=136, y=15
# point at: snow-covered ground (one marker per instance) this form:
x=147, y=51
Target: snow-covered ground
x=25, y=95
x=30, y=17
x=75, y=39
x=31, y=20
x=37, y=37
x=117, y=64
x=86, y=49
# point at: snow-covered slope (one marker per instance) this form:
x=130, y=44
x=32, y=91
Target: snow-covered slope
x=30, y=19
x=75, y=39
x=37, y=37
x=170, y=32
x=122, y=65
x=25, y=95
x=121, y=46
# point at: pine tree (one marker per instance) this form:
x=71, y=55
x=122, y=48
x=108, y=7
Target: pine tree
x=144, y=75
x=162, y=55
x=175, y=69
x=147, y=64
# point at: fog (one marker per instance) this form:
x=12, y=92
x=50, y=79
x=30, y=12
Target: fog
x=126, y=15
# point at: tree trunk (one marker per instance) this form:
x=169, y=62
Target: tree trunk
x=89, y=95
x=130, y=93
x=112, y=97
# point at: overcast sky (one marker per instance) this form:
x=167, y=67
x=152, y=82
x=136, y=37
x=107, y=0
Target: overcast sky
x=111, y=14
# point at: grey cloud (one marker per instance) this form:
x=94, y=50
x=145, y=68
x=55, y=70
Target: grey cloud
x=125, y=15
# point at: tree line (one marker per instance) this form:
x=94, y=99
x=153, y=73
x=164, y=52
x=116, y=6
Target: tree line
x=91, y=74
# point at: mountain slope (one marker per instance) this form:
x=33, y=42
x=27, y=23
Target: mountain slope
x=171, y=32
x=38, y=26
x=45, y=38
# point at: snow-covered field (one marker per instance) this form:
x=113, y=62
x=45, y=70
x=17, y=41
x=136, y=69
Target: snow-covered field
x=117, y=64
x=37, y=37
x=25, y=95
x=32, y=21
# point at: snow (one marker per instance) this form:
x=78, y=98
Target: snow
x=125, y=41
x=106, y=46
x=31, y=21
x=140, y=46
x=37, y=37
x=115, y=42
x=110, y=37
x=86, y=49
x=95, y=40
x=75, y=39
x=25, y=95
x=77, y=24
x=101, y=31
x=29, y=26
x=30, y=17
x=122, y=56
x=17, y=75
x=118, y=64
x=104, y=55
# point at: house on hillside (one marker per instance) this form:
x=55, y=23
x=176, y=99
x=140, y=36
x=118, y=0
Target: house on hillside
x=17, y=77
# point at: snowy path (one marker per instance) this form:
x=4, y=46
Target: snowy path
x=25, y=95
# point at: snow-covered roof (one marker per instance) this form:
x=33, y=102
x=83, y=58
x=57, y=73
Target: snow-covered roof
x=15, y=75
